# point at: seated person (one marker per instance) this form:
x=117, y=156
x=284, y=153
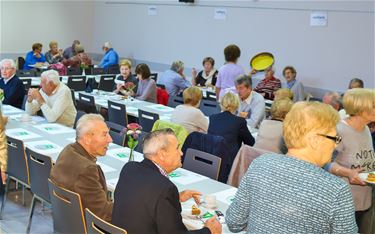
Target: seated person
x=206, y=77
x=71, y=51
x=11, y=86
x=268, y=85
x=292, y=193
x=81, y=59
x=54, y=55
x=233, y=128
x=33, y=57
x=54, y=99
x=189, y=115
x=294, y=85
x=146, y=86
x=252, y=106
x=76, y=168
x=110, y=57
x=148, y=181
x=283, y=93
x=356, y=83
x=125, y=77
x=174, y=79
x=333, y=99
x=270, y=134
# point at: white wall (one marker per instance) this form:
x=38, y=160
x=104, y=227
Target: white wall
x=325, y=57
x=24, y=22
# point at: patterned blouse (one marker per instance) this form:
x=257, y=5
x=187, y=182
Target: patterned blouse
x=281, y=194
x=268, y=87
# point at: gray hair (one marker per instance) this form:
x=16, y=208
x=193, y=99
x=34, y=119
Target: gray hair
x=244, y=79
x=11, y=61
x=177, y=66
x=335, y=98
x=79, y=49
x=86, y=123
x=51, y=76
x=155, y=141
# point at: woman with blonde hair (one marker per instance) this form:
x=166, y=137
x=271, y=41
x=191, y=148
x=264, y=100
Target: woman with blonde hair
x=188, y=114
x=125, y=76
x=283, y=93
x=54, y=55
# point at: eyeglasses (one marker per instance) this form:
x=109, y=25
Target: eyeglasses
x=337, y=139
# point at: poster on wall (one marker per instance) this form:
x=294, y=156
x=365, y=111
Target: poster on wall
x=318, y=19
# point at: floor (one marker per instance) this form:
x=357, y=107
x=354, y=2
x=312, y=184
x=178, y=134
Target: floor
x=15, y=215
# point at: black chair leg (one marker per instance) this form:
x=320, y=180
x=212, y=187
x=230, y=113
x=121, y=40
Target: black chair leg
x=31, y=214
x=4, y=198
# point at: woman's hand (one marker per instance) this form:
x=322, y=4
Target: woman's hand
x=354, y=176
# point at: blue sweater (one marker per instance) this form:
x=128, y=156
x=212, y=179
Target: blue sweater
x=110, y=58
x=14, y=91
x=31, y=60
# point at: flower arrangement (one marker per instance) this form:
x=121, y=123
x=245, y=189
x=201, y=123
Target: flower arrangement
x=1, y=95
x=132, y=132
x=129, y=86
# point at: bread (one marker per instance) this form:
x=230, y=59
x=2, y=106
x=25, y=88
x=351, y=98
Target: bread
x=371, y=177
x=195, y=210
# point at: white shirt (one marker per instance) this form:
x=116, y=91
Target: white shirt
x=58, y=107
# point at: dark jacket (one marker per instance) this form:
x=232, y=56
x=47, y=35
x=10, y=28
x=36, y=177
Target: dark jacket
x=147, y=202
x=14, y=91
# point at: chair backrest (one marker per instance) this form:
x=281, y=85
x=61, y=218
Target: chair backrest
x=179, y=130
x=17, y=161
x=20, y=62
x=175, y=101
x=211, y=96
x=139, y=147
x=73, y=71
x=162, y=96
x=96, y=225
x=67, y=210
x=78, y=116
x=98, y=71
x=106, y=83
x=40, y=169
x=25, y=73
x=209, y=107
x=160, y=86
x=115, y=132
x=26, y=83
x=23, y=107
x=86, y=103
x=147, y=119
x=73, y=97
x=78, y=83
x=154, y=76
x=202, y=163
x=117, y=113
x=114, y=69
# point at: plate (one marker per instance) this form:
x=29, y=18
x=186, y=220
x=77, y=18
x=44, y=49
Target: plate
x=364, y=175
x=262, y=61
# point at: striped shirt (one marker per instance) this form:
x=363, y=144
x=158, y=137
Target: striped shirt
x=268, y=87
x=281, y=194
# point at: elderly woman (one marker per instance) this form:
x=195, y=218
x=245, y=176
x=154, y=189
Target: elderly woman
x=206, y=77
x=283, y=93
x=294, y=85
x=356, y=153
x=125, y=76
x=188, y=114
x=356, y=83
x=54, y=55
x=270, y=134
x=269, y=85
x=292, y=193
x=33, y=57
x=146, y=86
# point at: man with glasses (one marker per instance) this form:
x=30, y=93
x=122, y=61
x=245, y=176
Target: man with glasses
x=11, y=87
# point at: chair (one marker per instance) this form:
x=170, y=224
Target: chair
x=86, y=103
x=40, y=169
x=179, y=130
x=73, y=97
x=74, y=71
x=25, y=73
x=78, y=83
x=210, y=96
x=139, y=147
x=98, y=71
x=202, y=163
x=175, y=101
x=107, y=83
x=17, y=169
x=147, y=119
x=162, y=95
x=26, y=83
x=117, y=113
x=67, y=210
x=154, y=76
x=115, y=131
x=114, y=69
x=96, y=225
x=78, y=116
x=20, y=62
x=209, y=107
x=160, y=86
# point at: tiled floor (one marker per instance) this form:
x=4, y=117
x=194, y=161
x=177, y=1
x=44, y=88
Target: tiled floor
x=15, y=216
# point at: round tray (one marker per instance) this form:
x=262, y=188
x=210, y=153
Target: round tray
x=262, y=61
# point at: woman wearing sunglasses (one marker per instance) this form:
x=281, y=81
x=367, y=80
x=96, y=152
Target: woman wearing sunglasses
x=355, y=153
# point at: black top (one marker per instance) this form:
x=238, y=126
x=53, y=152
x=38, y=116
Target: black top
x=14, y=91
x=131, y=78
x=199, y=80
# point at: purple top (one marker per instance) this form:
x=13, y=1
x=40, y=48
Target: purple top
x=146, y=90
x=226, y=77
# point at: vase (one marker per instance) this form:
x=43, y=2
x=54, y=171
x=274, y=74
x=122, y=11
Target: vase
x=131, y=156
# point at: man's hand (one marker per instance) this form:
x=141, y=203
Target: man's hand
x=214, y=225
x=187, y=194
x=354, y=177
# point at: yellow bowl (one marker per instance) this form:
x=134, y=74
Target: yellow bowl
x=262, y=61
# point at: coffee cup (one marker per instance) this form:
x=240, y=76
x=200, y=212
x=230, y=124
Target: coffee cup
x=210, y=201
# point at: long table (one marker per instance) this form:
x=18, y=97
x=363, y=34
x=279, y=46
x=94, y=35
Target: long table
x=50, y=138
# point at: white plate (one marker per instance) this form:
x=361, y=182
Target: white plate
x=363, y=177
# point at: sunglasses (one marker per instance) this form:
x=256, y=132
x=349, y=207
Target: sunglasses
x=337, y=139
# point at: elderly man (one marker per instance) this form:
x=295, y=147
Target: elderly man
x=70, y=51
x=146, y=201
x=110, y=56
x=11, y=86
x=268, y=85
x=252, y=106
x=333, y=99
x=54, y=99
x=174, y=79
x=76, y=167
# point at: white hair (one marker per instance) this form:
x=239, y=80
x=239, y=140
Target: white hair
x=86, y=124
x=51, y=76
x=107, y=45
x=155, y=141
x=11, y=61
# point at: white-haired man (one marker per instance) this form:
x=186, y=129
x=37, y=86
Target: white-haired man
x=10, y=84
x=76, y=167
x=174, y=79
x=54, y=99
x=146, y=201
x=110, y=56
